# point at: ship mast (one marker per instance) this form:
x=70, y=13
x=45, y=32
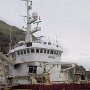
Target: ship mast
x=30, y=20
x=28, y=32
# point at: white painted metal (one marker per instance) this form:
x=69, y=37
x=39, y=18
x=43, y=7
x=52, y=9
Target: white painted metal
x=44, y=63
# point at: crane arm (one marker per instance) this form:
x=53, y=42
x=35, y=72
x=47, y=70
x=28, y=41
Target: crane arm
x=5, y=58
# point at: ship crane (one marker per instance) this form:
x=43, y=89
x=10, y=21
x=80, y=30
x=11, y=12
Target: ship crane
x=6, y=59
x=64, y=70
x=67, y=74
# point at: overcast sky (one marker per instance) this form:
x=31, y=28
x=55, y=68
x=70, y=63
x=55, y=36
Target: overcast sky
x=69, y=20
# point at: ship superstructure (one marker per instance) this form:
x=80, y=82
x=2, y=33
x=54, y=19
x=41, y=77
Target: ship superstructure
x=33, y=58
x=34, y=61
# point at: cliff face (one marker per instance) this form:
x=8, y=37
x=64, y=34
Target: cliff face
x=16, y=35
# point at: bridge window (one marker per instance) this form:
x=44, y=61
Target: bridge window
x=47, y=51
x=44, y=50
x=55, y=52
x=37, y=50
x=18, y=53
x=32, y=50
x=28, y=51
x=24, y=51
x=21, y=52
x=51, y=52
x=41, y=50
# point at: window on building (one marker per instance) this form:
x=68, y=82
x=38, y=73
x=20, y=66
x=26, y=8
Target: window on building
x=37, y=50
x=41, y=50
x=32, y=50
x=28, y=51
x=32, y=69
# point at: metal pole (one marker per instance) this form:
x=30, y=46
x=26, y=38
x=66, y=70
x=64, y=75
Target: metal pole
x=28, y=32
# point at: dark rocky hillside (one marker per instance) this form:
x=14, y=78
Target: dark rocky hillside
x=17, y=35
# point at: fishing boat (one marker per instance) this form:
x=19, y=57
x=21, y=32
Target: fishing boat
x=35, y=64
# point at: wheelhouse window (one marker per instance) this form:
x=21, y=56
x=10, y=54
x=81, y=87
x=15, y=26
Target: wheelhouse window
x=28, y=51
x=55, y=52
x=47, y=51
x=37, y=50
x=18, y=53
x=44, y=50
x=24, y=51
x=51, y=52
x=32, y=69
x=32, y=50
x=21, y=52
x=41, y=50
